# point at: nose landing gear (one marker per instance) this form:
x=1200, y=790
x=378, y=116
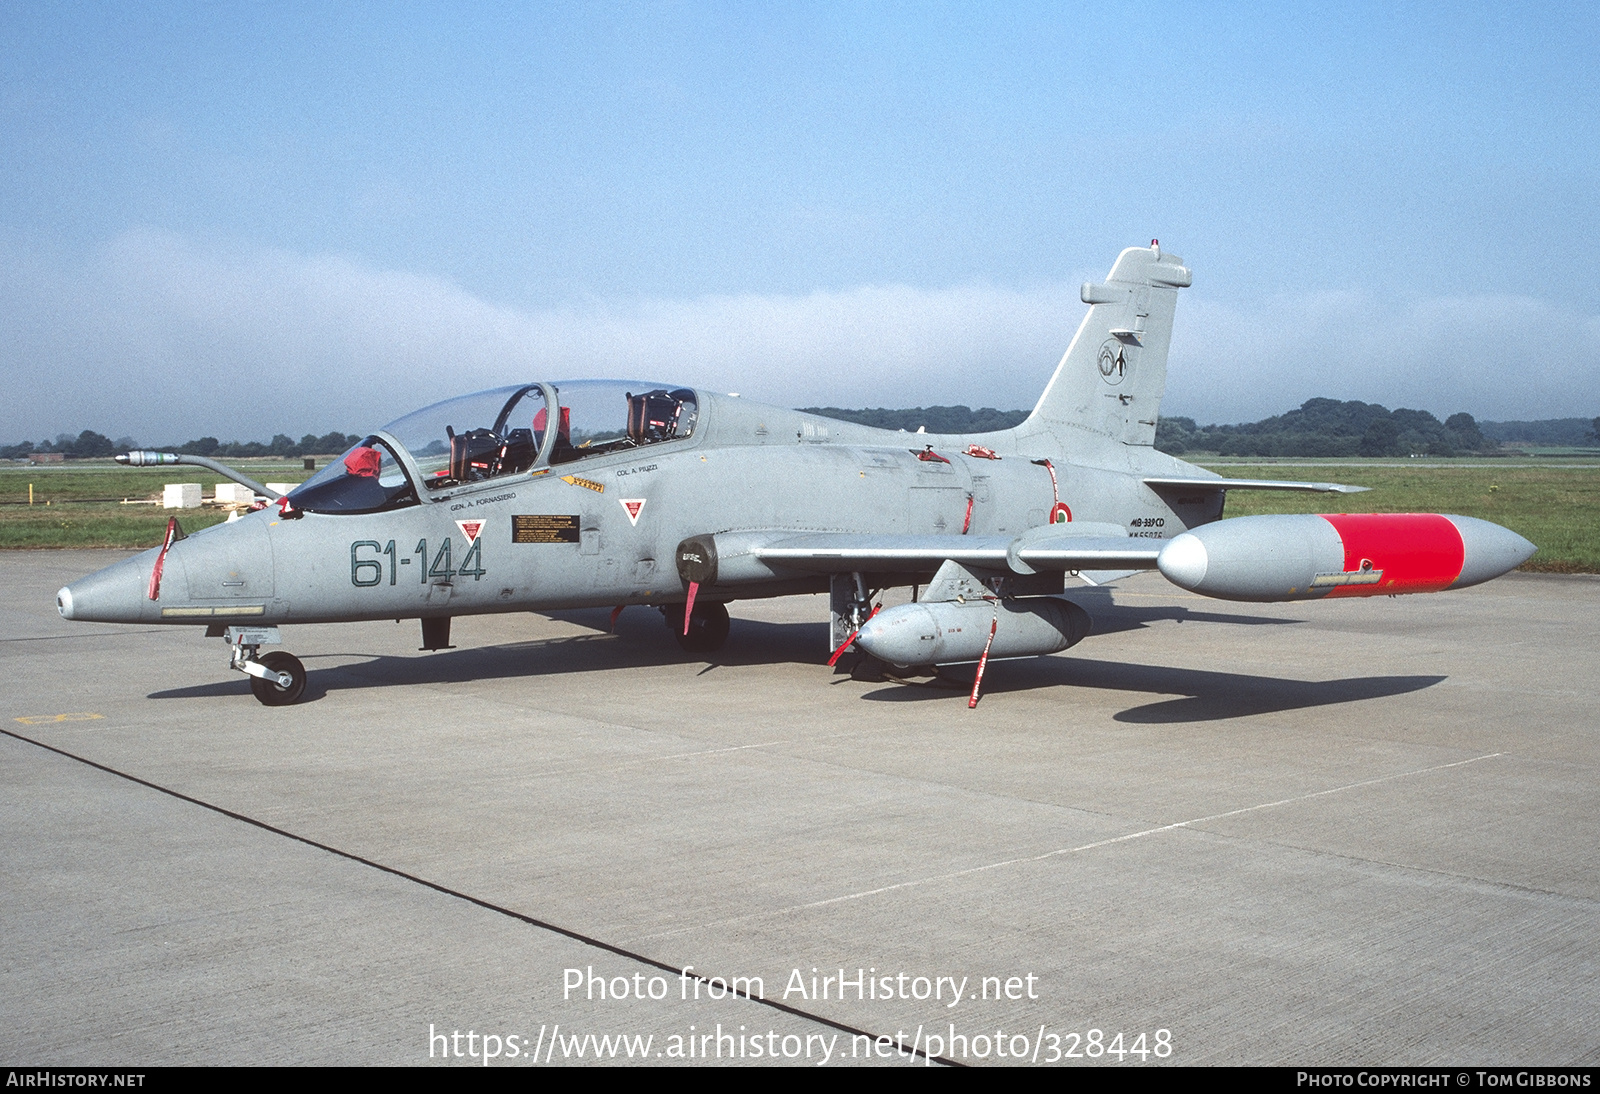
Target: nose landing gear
x=277, y=679
x=282, y=680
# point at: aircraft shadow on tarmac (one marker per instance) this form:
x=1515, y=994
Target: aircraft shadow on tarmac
x=1203, y=695
x=641, y=642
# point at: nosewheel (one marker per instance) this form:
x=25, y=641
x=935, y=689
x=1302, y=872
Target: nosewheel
x=707, y=630
x=271, y=690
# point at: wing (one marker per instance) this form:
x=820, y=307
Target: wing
x=1102, y=547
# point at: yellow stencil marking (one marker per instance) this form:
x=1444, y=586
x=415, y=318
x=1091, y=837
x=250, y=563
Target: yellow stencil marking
x=587, y=484
x=46, y=719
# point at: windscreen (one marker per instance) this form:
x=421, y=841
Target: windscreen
x=366, y=479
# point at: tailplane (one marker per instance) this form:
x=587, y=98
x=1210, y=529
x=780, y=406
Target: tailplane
x=1114, y=374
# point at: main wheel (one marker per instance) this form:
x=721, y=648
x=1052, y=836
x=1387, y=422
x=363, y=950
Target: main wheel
x=708, y=626
x=268, y=691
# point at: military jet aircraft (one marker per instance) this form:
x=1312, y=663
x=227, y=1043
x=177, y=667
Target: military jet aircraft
x=568, y=494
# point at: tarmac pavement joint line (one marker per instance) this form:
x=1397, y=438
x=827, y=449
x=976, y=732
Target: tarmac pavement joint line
x=1070, y=850
x=1471, y=880
x=632, y=955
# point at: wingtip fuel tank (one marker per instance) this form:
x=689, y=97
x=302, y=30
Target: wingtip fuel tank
x=1308, y=557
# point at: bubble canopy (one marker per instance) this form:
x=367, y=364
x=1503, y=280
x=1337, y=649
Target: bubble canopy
x=495, y=434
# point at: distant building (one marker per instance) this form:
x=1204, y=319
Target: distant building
x=46, y=457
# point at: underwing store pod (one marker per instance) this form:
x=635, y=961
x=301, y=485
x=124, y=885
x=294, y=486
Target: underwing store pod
x=943, y=633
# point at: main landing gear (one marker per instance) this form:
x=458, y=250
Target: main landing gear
x=277, y=678
x=707, y=629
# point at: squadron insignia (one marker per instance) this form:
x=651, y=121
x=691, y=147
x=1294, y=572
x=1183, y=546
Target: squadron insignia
x=1113, y=362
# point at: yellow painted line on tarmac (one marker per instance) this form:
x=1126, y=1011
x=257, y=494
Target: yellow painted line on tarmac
x=46, y=719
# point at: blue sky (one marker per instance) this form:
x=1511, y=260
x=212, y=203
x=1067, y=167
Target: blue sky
x=245, y=219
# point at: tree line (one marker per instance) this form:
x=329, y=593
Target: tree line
x=1328, y=427
x=1318, y=427
x=92, y=445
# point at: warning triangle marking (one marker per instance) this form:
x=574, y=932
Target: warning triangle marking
x=470, y=529
x=632, y=506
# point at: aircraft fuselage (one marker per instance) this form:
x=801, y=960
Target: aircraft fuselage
x=602, y=531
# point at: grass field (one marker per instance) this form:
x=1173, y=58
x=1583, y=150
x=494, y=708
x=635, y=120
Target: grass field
x=1554, y=503
x=80, y=504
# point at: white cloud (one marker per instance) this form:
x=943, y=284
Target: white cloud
x=1495, y=356
x=163, y=339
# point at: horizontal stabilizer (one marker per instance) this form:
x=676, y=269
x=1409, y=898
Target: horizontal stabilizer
x=1254, y=484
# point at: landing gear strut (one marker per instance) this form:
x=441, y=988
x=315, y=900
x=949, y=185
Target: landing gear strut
x=708, y=626
x=278, y=678
x=849, y=607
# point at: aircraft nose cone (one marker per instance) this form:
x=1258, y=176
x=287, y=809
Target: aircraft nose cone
x=116, y=594
x=1488, y=550
x=1184, y=561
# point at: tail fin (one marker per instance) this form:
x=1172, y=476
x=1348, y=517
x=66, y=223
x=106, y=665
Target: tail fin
x=1115, y=372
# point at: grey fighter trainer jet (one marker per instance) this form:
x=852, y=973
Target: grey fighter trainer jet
x=548, y=495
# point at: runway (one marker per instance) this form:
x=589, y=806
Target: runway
x=1356, y=832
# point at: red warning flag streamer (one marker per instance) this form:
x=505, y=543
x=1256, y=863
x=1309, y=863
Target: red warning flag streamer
x=876, y=608
x=977, y=681
x=161, y=559
x=688, y=607
x=614, y=613
x=967, y=521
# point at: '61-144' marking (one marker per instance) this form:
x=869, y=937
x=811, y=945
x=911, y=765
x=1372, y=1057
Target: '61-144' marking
x=368, y=571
